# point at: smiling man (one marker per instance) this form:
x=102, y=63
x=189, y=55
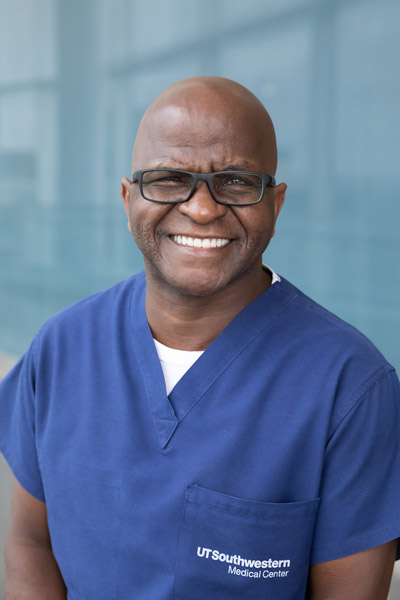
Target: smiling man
x=203, y=430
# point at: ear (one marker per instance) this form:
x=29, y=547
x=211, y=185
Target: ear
x=126, y=196
x=279, y=199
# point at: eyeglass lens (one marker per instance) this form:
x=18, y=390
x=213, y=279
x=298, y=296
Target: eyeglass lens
x=229, y=187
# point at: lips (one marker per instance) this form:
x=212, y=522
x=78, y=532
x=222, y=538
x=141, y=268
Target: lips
x=195, y=242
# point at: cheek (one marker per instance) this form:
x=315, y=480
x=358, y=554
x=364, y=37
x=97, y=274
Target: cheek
x=144, y=219
x=143, y=233
x=259, y=225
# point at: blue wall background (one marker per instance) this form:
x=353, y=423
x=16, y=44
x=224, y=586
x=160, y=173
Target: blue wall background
x=75, y=78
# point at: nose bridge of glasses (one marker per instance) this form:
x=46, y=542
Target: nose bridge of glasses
x=202, y=181
x=201, y=205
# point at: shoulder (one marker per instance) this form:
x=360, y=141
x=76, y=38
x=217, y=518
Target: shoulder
x=91, y=319
x=322, y=329
x=330, y=355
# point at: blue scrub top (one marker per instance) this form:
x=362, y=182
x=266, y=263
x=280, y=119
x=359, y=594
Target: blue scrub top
x=280, y=447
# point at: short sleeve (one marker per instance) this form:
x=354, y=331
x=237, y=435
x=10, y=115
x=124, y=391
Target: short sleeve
x=360, y=490
x=17, y=424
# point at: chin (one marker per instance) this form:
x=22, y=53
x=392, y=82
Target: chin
x=195, y=290
x=195, y=286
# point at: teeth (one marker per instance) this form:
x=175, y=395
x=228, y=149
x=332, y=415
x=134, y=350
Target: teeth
x=183, y=240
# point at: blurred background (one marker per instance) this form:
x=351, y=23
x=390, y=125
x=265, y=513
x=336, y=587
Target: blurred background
x=75, y=78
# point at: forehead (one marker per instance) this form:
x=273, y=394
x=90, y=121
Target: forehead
x=196, y=136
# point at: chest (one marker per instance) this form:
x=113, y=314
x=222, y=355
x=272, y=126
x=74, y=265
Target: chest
x=223, y=498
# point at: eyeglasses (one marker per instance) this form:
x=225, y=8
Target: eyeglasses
x=172, y=186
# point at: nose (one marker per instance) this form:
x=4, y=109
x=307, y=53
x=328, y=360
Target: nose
x=202, y=207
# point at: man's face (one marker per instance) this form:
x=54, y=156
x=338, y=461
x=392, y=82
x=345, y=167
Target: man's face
x=202, y=141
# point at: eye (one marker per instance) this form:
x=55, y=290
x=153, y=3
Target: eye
x=235, y=180
x=164, y=178
x=168, y=178
x=238, y=187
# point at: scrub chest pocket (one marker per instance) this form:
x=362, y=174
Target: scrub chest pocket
x=233, y=548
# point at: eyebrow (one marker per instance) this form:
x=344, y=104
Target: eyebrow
x=243, y=166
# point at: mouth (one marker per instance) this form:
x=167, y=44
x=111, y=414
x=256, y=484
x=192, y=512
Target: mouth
x=195, y=242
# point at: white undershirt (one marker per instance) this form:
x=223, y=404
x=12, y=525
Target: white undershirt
x=175, y=362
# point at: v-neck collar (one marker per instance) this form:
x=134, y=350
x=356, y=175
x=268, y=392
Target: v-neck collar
x=169, y=411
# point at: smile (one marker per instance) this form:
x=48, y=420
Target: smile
x=195, y=242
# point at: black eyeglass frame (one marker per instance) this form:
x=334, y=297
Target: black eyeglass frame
x=267, y=180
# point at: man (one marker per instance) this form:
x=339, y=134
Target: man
x=203, y=430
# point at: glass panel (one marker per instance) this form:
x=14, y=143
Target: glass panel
x=27, y=41
x=238, y=12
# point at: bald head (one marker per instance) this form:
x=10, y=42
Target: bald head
x=201, y=112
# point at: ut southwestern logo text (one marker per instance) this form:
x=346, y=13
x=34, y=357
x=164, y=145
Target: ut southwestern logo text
x=246, y=567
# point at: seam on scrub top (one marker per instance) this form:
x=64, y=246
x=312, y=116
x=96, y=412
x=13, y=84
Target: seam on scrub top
x=178, y=553
x=259, y=332
x=24, y=480
x=366, y=386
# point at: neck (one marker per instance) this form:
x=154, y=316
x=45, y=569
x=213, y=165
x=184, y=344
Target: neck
x=193, y=322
